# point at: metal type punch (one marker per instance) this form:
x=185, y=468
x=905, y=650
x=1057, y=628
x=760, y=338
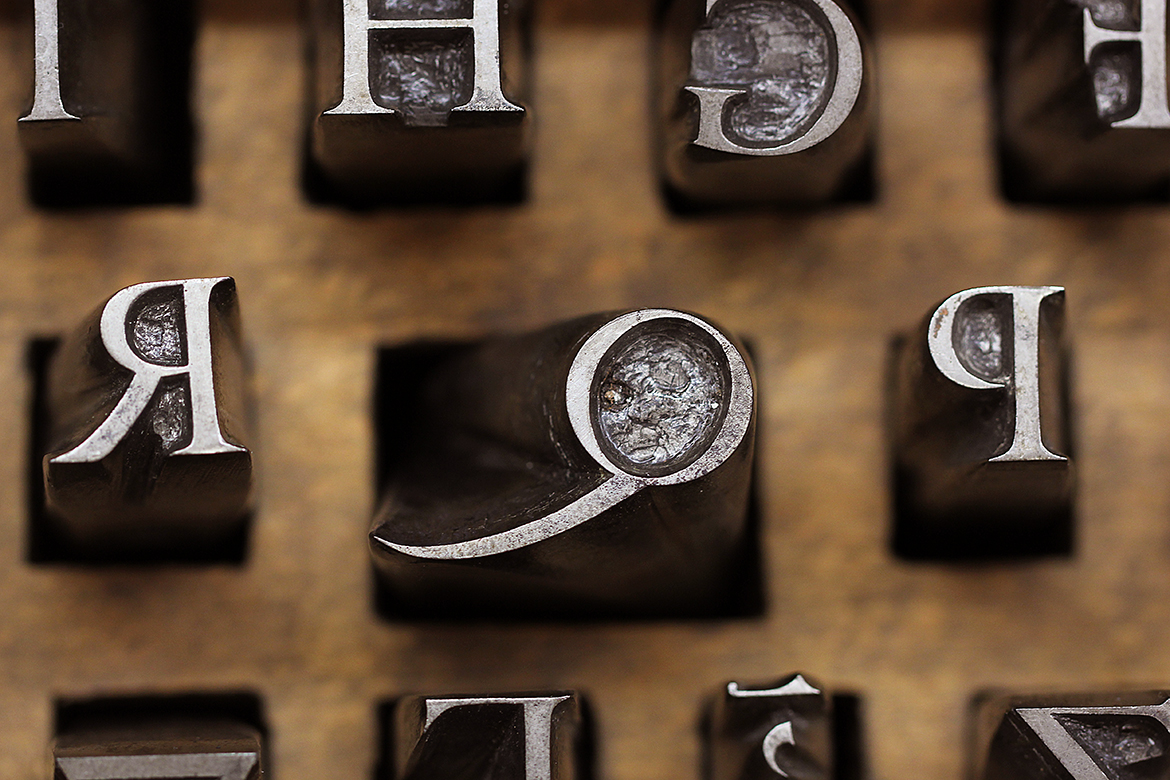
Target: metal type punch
x=763, y=102
x=790, y=728
x=600, y=467
x=1082, y=99
x=1103, y=736
x=159, y=738
x=419, y=100
x=524, y=736
x=109, y=121
x=146, y=451
x=179, y=751
x=980, y=428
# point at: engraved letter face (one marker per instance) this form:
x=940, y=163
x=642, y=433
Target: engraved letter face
x=1111, y=742
x=110, y=120
x=978, y=344
x=419, y=100
x=145, y=438
x=1127, y=57
x=779, y=731
x=422, y=59
x=655, y=397
x=495, y=737
x=773, y=77
x=598, y=466
x=47, y=103
x=160, y=331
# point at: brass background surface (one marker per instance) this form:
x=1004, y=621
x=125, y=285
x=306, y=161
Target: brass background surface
x=818, y=294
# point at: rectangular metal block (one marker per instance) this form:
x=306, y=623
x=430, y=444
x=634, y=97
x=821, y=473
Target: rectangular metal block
x=763, y=102
x=980, y=428
x=1102, y=736
x=418, y=100
x=109, y=120
x=524, y=736
x=1082, y=99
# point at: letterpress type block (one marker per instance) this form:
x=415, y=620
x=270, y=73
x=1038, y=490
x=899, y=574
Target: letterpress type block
x=419, y=100
x=598, y=467
x=1120, y=736
x=763, y=101
x=765, y=732
x=1082, y=98
x=146, y=447
x=210, y=737
x=982, y=443
x=160, y=751
x=533, y=736
x=109, y=120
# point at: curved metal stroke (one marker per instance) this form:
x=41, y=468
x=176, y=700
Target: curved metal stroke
x=620, y=485
x=846, y=89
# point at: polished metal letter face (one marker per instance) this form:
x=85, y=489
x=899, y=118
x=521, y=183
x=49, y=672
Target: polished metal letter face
x=766, y=79
x=1084, y=111
x=153, y=751
x=769, y=732
x=981, y=426
x=420, y=93
x=522, y=737
x=962, y=346
x=425, y=101
x=1096, y=737
x=152, y=346
x=109, y=120
x=47, y=103
x=146, y=406
x=537, y=460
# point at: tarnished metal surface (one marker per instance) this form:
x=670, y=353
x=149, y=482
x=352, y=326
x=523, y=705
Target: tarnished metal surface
x=763, y=101
x=766, y=732
x=1102, y=736
x=160, y=750
x=780, y=53
x=109, y=120
x=607, y=459
x=660, y=401
x=527, y=736
x=980, y=427
x=1083, y=104
x=817, y=294
x=146, y=438
x=418, y=100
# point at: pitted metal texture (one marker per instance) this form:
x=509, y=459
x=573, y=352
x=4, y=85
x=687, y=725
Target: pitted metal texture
x=1116, y=84
x=1119, y=745
x=1118, y=14
x=420, y=9
x=777, y=51
x=978, y=336
x=156, y=328
x=660, y=400
x=422, y=79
